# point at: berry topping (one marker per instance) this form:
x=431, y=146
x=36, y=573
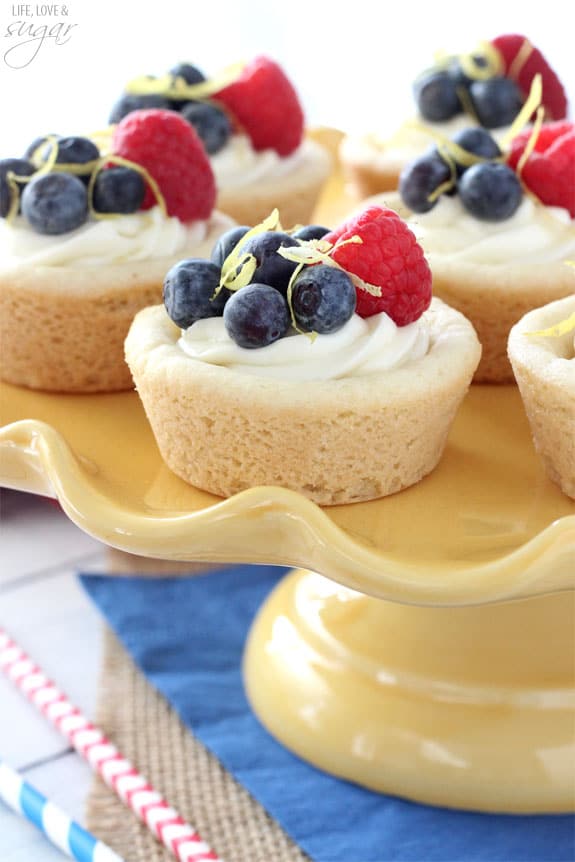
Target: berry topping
x=118, y=190
x=190, y=292
x=420, y=180
x=371, y=264
x=170, y=150
x=129, y=102
x=549, y=170
x=436, y=96
x=211, y=124
x=271, y=268
x=490, y=191
x=476, y=141
x=227, y=242
x=522, y=61
x=265, y=106
x=322, y=299
x=310, y=231
x=390, y=258
x=256, y=316
x=55, y=203
x=17, y=167
x=496, y=101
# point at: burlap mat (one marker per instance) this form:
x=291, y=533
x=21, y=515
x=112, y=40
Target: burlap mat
x=146, y=730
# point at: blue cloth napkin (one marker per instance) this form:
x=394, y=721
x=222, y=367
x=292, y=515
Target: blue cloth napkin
x=187, y=634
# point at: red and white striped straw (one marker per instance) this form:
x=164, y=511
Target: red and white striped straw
x=148, y=805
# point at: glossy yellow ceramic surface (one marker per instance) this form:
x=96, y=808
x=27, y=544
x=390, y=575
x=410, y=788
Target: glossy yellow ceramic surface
x=459, y=707
x=485, y=525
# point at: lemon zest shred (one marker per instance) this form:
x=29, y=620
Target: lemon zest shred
x=561, y=328
x=467, y=104
x=237, y=266
x=520, y=59
x=486, y=51
x=531, y=143
x=316, y=251
x=530, y=105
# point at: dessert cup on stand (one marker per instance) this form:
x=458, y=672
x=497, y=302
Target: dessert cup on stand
x=431, y=656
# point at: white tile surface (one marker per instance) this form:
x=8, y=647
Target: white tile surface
x=64, y=781
x=35, y=535
x=43, y=607
x=52, y=620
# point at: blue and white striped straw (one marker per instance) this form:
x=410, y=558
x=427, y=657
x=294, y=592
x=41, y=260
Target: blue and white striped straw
x=63, y=832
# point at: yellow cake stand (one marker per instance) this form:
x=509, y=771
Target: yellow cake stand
x=427, y=649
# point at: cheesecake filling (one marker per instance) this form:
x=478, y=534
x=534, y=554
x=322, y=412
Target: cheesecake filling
x=362, y=346
x=141, y=236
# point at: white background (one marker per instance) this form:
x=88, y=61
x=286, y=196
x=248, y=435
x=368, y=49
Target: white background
x=352, y=62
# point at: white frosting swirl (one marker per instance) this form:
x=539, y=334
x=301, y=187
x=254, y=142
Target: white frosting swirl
x=141, y=236
x=360, y=347
x=238, y=164
x=533, y=234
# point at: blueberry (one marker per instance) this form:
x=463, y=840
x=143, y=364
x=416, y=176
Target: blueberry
x=323, y=299
x=436, y=96
x=490, y=191
x=420, y=178
x=227, y=242
x=75, y=150
x=189, y=289
x=211, y=124
x=311, y=231
x=55, y=203
x=118, y=190
x=272, y=268
x=130, y=102
x=496, y=101
x=256, y=315
x=190, y=74
x=20, y=167
x=477, y=141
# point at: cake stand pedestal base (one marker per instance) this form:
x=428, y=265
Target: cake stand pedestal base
x=461, y=707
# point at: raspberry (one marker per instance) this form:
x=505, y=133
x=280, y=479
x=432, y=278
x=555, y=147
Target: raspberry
x=265, y=106
x=554, y=98
x=389, y=257
x=549, y=172
x=170, y=150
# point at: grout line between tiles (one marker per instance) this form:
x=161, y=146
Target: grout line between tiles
x=42, y=761
x=48, y=572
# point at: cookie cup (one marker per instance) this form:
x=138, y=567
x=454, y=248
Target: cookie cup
x=294, y=193
x=336, y=441
x=544, y=368
x=63, y=328
x=492, y=296
x=367, y=168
